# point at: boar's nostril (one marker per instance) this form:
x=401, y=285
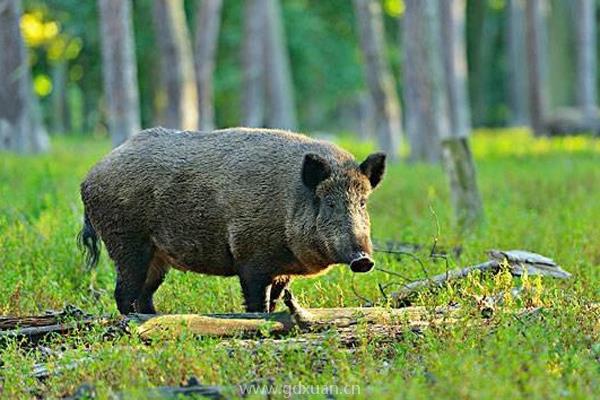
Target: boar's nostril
x=362, y=264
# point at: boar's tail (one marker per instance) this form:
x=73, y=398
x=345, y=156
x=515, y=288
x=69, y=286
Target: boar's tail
x=87, y=241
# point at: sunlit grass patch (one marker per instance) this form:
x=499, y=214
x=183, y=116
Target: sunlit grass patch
x=521, y=142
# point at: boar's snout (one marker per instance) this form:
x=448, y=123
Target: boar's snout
x=361, y=262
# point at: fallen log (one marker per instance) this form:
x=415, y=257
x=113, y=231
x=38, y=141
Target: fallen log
x=246, y=325
x=518, y=262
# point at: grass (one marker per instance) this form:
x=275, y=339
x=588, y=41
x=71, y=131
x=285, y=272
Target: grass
x=539, y=194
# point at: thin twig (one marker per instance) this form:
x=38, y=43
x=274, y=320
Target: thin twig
x=405, y=253
x=363, y=298
x=387, y=271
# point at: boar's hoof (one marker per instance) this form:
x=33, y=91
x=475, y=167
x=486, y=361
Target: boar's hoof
x=362, y=264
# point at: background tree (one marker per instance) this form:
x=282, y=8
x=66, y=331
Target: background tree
x=516, y=68
x=379, y=78
x=424, y=93
x=21, y=129
x=253, y=80
x=177, y=65
x=535, y=63
x=119, y=70
x=456, y=153
x=558, y=68
x=281, y=112
x=586, y=83
x=452, y=19
x=207, y=33
x=433, y=39
x=59, y=99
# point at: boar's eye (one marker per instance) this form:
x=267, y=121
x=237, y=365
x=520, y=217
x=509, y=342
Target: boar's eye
x=329, y=202
x=363, y=203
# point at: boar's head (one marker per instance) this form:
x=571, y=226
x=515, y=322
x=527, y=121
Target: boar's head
x=340, y=198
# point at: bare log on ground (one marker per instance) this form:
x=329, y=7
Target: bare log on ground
x=380, y=320
x=518, y=261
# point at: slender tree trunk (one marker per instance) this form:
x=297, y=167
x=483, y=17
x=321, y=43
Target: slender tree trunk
x=478, y=21
x=76, y=108
x=280, y=89
x=21, y=129
x=177, y=65
x=535, y=62
x=435, y=57
x=559, y=63
x=253, y=89
x=456, y=154
x=462, y=176
x=586, y=90
x=378, y=75
x=517, y=75
x=207, y=35
x=367, y=116
x=119, y=69
x=59, y=83
x=452, y=16
x=424, y=90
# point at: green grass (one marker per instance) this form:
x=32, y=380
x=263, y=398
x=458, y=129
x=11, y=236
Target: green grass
x=540, y=195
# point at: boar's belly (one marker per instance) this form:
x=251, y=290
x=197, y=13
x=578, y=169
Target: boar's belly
x=196, y=259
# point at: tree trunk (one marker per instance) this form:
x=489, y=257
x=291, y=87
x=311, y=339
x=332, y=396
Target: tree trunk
x=586, y=91
x=456, y=153
x=464, y=191
x=177, y=65
x=535, y=62
x=517, y=75
x=367, y=116
x=119, y=69
x=253, y=90
x=21, y=129
x=207, y=35
x=435, y=56
x=424, y=91
x=559, y=63
x=59, y=100
x=378, y=75
x=452, y=16
x=479, y=40
x=280, y=89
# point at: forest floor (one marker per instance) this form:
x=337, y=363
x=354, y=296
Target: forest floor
x=540, y=195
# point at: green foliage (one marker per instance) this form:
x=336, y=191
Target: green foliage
x=539, y=195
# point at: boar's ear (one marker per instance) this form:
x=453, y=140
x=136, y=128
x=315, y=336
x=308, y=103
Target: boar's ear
x=315, y=169
x=374, y=167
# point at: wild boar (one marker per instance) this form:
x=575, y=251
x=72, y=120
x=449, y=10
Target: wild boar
x=263, y=205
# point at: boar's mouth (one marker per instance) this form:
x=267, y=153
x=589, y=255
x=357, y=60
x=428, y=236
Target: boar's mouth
x=361, y=262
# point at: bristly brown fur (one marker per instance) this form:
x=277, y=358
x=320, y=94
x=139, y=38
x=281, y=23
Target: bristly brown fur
x=230, y=202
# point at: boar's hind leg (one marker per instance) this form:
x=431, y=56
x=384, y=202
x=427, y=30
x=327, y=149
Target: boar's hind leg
x=155, y=277
x=255, y=287
x=280, y=283
x=132, y=257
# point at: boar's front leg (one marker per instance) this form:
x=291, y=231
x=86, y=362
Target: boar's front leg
x=256, y=286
